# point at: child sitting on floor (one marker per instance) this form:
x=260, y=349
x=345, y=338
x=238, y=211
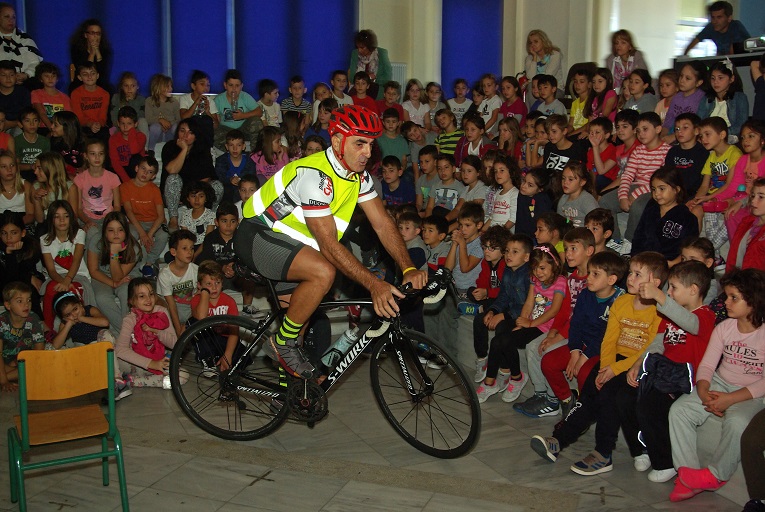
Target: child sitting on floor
x=588, y=324
x=501, y=314
x=210, y=300
x=687, y=327
x=84, y=324
x=20, y=329
x=544, y=299
x=145, y=337
x=632, y=324
x=729, y=384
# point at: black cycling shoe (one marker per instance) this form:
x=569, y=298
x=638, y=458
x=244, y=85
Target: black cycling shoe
x=292, y=358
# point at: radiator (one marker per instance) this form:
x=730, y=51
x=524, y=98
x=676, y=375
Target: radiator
x=399, y=74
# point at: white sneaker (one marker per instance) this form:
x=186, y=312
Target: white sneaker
x=480, y=369
x=437, y=362
x=642, y=462
x=614, y=244
x=484, y=391
x=626, y=248
x=514, y=388
x=661, y=475
x=209, y=370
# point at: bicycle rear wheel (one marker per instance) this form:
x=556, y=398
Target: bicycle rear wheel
x=245, y=403
x=444, y=422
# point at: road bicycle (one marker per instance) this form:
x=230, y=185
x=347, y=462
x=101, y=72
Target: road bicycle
x=420, y=389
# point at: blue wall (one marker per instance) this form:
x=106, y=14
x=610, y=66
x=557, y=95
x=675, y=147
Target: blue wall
x=752, y=15
x=472, y=40
x=275, y=39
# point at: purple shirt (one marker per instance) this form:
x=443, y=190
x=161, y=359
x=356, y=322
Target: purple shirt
x=681, y=104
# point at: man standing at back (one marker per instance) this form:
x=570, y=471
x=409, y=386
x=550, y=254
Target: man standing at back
x=722, y=29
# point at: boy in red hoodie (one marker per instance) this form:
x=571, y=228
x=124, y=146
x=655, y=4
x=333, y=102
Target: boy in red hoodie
x=493, y=242
x=126, y=143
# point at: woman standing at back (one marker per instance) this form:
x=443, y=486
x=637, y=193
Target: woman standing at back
x=624, y=58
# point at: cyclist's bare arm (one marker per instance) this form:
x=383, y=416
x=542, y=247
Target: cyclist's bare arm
x=325, y=233
x=388, y=233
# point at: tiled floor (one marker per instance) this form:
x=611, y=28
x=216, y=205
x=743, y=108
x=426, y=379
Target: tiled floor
x=352, y=460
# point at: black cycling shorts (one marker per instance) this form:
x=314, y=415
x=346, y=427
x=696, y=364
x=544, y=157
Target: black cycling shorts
x=267, y=252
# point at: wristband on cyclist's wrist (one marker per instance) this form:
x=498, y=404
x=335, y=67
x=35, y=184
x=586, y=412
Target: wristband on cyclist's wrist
x=408, y=269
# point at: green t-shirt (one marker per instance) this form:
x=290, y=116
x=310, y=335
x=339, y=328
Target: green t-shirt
x=27, y=152
x=397, y=146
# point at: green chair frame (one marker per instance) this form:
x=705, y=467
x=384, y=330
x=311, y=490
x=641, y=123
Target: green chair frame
x=60, y=375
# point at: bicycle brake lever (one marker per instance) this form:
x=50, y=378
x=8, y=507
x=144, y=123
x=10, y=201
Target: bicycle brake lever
x=408, y=289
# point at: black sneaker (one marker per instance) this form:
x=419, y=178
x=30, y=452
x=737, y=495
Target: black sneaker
x=565, y=407
x=292, y=358
x=531, y=404
x=754, y=506
x=250, y=310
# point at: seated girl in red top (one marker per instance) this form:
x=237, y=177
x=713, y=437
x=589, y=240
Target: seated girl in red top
x=747, y=247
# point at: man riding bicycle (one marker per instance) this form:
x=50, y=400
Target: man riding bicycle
x=292, y=226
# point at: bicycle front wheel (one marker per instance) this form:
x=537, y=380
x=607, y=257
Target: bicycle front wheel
x=247, y=402
x=443, y=422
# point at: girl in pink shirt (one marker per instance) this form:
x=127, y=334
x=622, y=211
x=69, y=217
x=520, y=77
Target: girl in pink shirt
x=545, y=297
x=269, y=155
x=145, y=337
x=748, y=168
x=604, y=103
x=732, y=391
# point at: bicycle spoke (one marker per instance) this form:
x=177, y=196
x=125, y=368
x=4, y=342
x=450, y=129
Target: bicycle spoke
x=244, y=403
x=443, y=418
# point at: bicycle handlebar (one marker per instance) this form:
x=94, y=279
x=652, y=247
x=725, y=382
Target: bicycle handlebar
x=433, y=292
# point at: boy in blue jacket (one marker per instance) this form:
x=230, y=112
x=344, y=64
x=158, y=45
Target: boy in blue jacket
x=500, y=316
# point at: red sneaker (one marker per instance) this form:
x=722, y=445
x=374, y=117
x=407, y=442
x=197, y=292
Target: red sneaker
x=681, y=492
x=701, y=479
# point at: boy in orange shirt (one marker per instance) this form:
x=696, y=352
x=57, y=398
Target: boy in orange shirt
x=48, y=100
x=142, y=201
x=91, y=103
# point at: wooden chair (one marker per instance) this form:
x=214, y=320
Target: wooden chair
x=59, y=375
x=567, y=91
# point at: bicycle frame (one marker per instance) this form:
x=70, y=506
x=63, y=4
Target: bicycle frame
x=393, y=330
x=395, y=336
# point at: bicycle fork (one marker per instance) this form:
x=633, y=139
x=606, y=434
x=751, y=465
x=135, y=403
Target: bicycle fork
x=404, y=348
